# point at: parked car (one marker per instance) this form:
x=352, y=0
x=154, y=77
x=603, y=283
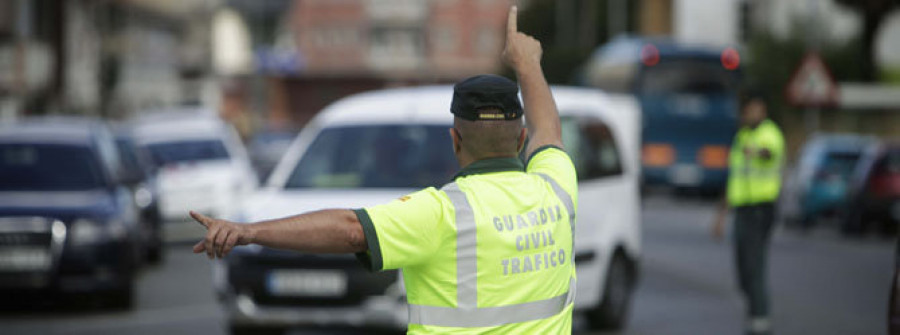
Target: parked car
x=139, y=176
x=200, y=165
x=817, y=186
x=365, y=150
x=67, y=224
x=875, y=191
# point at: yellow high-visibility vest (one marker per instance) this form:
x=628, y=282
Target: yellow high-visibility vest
x=755, y=180
x=489, y=253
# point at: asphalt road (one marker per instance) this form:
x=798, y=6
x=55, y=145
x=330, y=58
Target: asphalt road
x=822, y=284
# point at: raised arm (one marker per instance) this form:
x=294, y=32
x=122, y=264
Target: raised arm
x=523, y=54
x=325, y=231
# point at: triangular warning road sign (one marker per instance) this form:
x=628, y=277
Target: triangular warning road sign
x=812, y=84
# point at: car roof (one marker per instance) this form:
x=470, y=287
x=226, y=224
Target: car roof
x=431, y=105
x=174, y=126
x=74, y=130
x=834, y=142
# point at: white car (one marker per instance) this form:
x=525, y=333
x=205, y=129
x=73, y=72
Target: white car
x=201, y=165
x=373, y=147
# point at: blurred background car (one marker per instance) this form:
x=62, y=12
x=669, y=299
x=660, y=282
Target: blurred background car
x=68, y=224
x=138, y=174
x=266, y=148
x=875, y=191
x=362, y=151
x=200, y=165
x=688, y=98
x=818, y=185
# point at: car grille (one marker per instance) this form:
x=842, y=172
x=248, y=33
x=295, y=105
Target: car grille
x=29, y=246
x=250, y=275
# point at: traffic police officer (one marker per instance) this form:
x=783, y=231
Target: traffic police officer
x=490, y=252
x=754, y=182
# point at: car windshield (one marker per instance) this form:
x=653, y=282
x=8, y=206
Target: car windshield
x=687, y=76
x=389, y=156
x=167, y=153
x=128, y=156
x=48, y=167
x=892, y=162
x=840, y=163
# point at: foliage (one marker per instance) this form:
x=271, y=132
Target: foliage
x=771, y=61
x=562, y=59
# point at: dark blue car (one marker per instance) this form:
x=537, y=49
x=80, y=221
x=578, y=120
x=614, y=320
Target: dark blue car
x=67, y=225
x=688, y=97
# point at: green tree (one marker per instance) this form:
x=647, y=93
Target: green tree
x=564, y=42
x=873, y=12
x=772, y=60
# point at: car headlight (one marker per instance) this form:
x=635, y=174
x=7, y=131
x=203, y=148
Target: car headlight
x=86, y=232
x=143, y=197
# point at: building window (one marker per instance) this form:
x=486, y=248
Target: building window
x=396, y=47
x=444, y=39
x=487, y=41
x=335, y=37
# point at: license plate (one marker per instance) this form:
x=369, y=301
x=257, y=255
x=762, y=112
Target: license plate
x=24, y=259
x=685, y=175
x=307, y=283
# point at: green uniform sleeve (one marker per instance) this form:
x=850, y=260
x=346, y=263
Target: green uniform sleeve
x=404, y=232
x=554, y=162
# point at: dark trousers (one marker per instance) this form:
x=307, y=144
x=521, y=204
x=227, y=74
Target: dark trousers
x=752, y=232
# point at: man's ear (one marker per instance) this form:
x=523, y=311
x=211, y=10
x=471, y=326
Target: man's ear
x=523, y=135
x=456, y=139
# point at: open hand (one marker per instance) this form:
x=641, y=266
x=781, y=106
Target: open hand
x=521, y=49
x=221, y=236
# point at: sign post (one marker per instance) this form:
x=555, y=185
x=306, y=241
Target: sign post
x=812, y=87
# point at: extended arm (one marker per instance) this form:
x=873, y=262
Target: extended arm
x=325, y=231
x=523, y=55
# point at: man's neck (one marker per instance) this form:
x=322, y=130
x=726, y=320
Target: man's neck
x=466, y=160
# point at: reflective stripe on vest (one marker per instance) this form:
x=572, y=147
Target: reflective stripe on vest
x=567, y=201
x=467, y=313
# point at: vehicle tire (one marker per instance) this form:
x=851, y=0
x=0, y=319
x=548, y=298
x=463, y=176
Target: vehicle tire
x=254, y=330
x=122, y=298
x=612, y=312
x=155, y=254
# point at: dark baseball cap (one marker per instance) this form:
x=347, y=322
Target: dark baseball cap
x=473, y=95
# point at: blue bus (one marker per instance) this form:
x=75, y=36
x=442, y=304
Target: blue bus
x=689, y=101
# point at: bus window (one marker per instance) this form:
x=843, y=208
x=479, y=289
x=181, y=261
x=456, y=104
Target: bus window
x=697, y=76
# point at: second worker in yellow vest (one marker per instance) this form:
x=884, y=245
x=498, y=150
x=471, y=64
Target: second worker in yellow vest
x=754, y=182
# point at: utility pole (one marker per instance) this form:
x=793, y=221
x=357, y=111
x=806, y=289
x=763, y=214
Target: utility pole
x=616, y=17
x=588, y=35
x=565, y=25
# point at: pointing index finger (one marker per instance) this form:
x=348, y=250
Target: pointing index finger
x=200, y=218
x=512, y=21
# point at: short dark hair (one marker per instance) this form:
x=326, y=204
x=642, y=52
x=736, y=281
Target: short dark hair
x=750, y=93
x=486, y=139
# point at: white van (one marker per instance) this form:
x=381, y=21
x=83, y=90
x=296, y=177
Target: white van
x=200, y=164
x=339, y=161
